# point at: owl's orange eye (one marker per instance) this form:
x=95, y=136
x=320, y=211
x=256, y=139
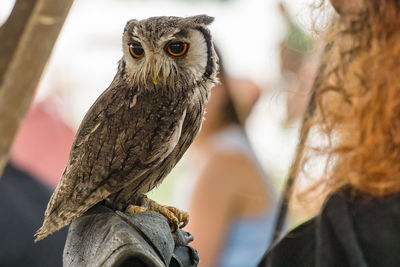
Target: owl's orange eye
x=136, y=50
x=177, y=49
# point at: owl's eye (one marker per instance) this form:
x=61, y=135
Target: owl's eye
x=136, y=50
x=177, y=49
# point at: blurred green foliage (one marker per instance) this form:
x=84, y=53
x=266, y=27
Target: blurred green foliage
x=297, y=40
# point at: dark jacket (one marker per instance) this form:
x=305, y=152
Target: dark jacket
x=349, y=231
x=22, y=203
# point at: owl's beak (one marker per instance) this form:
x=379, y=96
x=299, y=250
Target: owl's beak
x=153, y=77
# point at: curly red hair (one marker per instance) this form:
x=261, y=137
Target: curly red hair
x=357, y=114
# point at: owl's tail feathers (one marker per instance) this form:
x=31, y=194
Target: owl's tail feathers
x=59, y=213
x=41, y=233
x=54, y=218
x=49, y=226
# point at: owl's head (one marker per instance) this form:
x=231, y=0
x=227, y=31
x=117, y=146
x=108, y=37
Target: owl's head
x=169, y=53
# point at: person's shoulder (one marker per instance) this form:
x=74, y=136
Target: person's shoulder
x=226, y=165
x=227, y=156
x=297, y=248
x=231, y=161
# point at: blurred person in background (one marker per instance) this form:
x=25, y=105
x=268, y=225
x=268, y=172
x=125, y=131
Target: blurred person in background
x=233, y=204
x=37, y=159
x=355, y=128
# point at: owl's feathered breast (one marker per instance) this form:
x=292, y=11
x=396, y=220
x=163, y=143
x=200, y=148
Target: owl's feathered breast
x=124, y=134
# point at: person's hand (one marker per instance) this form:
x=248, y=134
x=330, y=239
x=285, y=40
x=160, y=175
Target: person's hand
x=347, y=6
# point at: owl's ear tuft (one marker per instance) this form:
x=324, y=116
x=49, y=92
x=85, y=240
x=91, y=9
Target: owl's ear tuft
x=202, y=19
x=130, y=24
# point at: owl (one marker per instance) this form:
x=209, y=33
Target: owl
x=142, y=124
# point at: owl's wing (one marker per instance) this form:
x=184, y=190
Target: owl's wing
x=122, y=136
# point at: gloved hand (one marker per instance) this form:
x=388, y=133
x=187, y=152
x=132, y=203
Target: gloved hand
x=102, y=237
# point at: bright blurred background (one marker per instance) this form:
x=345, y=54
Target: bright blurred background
x=252, y=36
x=85, y=57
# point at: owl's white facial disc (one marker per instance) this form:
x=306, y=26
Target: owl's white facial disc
x=159, y=68
x=196, y=58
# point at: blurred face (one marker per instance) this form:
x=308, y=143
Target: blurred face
x=243, y=93
x=218, y=99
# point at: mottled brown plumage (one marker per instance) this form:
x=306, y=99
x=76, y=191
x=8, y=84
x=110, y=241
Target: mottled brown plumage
x=139, y=128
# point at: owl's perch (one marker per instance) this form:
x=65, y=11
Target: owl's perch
x=102, y=237
x=27, y=39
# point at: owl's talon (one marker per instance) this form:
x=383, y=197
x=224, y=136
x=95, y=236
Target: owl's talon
x=134, y=209
x=176, y=218
x=182, y=216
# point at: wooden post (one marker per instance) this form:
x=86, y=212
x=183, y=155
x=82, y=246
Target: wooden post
x=26, y=41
